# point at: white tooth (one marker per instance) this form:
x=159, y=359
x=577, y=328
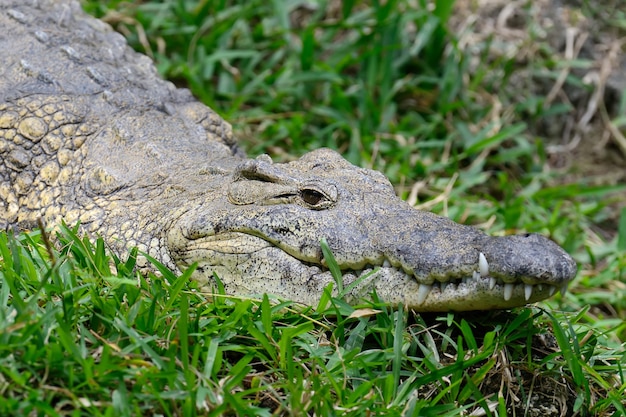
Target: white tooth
x=476, y=275
x=386, y=264
x=492, y=283
x=528, y=291
x=552, y=290
x=422, y=293
x=508, y=291
x=563, y=290
x=483, y=265
x=540, y=287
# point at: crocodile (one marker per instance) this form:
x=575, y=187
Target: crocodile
x=91, y=135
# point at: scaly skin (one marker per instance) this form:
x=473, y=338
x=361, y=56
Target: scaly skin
x=89, y=133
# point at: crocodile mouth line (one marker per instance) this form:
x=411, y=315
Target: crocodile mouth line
x=226, y=244
x=479, y=278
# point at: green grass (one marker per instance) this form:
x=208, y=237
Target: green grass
x=386, y=84
x=85, y=335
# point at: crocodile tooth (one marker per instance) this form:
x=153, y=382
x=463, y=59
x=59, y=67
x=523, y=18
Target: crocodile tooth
x=476, y=275
x=422, y=293
x=528, y=291
x=551, y=290
x=540, y=287
x=492, y=283
x=563, y=289
x=386, y=264
x=508, y=291
x=483, y=265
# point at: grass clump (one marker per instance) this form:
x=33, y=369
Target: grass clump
x=85, y=335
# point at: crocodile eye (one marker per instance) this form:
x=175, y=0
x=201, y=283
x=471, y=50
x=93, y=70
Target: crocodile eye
x=318, y=198
x=311, y=197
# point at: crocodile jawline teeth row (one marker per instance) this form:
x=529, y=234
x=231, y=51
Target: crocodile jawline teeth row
x=424, y=290
x=482, y=271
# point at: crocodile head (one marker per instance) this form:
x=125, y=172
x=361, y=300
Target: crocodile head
x=262, y=235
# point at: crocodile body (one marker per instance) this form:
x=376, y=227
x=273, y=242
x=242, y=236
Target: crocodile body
x=89, y=133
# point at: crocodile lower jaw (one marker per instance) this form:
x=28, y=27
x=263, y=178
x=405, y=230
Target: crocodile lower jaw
x=467, y=294
x=479, y=279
